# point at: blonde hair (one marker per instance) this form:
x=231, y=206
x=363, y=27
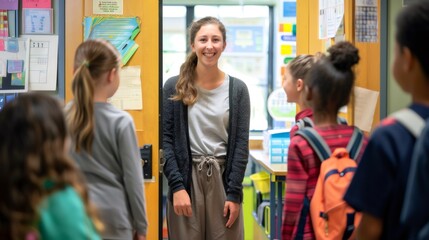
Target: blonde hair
x=92, y=59
x=185, y=89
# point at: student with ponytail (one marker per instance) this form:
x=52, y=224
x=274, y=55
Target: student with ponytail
x=205, y=141
x=294, y=82
x=104, y=142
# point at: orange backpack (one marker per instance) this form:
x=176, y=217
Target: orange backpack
x=331, y=216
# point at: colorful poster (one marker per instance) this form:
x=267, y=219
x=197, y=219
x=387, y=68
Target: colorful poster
x=287, y=32
x=120, y=31
x=14, y=65
x=36, y=3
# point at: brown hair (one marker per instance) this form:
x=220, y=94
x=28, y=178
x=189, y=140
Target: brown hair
x=92, y=59
x=185, y=89
x=301, y=65
x=33, y=138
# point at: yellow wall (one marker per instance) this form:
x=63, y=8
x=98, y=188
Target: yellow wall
x=368, y=69
x=147, y=56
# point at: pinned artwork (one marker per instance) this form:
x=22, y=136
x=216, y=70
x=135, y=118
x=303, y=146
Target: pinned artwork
x=14, y=65
x=120, y=31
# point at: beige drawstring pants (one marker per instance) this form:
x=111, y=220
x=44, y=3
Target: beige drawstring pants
x=207, y=200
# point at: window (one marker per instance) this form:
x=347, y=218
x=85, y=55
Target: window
x=173, y=40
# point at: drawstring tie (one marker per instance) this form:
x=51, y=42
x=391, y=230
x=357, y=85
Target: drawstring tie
x=210, y=161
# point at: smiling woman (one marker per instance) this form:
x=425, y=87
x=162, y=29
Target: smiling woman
x=209, y=45
x=206, y=141
x=246, y=54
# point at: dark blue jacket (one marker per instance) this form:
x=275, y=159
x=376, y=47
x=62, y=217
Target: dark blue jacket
x=177, y=152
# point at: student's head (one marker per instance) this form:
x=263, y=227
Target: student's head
x=96, y=61
x=331, y=79
x=33, y=160
x=293, y=81
x=208, y=40
x=96, y=68
x=412, y=48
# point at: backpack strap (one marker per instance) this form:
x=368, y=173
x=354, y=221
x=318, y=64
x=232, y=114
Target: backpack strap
x=322, y=149
x=342, y=121
x=304, y=122
x=307, y=122
x=355, y=144
x=410, y=120
x=316, y=142
x=303, y=219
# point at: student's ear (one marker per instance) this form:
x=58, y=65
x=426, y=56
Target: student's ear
x=299, y=85
x=112, y=74
x=224, y=46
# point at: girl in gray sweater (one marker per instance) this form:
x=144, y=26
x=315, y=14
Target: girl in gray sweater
x=104, y=142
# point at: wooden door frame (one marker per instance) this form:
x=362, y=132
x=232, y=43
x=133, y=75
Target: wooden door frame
x=147, y=56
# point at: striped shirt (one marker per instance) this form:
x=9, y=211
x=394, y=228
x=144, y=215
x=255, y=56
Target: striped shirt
x=303, y=172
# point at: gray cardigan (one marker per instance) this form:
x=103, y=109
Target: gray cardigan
x=177, y=153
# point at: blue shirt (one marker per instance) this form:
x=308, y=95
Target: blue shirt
x=415, y=212
x=378, y=186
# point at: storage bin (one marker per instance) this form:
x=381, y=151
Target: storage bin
x=248, y=203
x=261, y=181
x=276, y=144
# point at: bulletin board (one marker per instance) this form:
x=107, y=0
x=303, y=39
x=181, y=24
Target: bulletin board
x=367, y=71
x=14, y=59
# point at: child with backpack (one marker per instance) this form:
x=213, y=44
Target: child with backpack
x=415, y=213
x=294, y=85
x=379, y=186
x=329, y=86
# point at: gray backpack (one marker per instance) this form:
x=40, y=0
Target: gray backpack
x=415, y=213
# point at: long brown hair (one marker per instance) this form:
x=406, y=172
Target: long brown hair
x=185, y=89
x=33, y=138
x=92, y=59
